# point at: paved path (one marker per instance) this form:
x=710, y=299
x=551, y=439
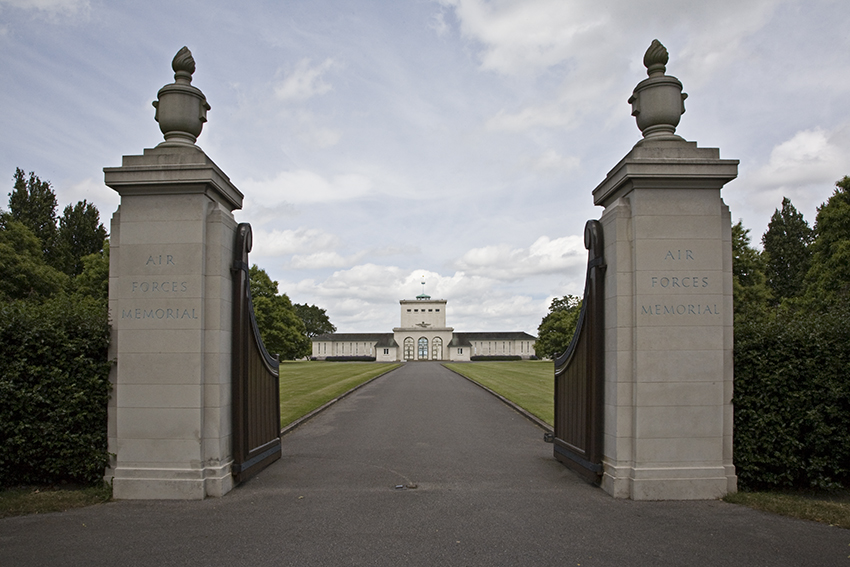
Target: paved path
x=488, y=493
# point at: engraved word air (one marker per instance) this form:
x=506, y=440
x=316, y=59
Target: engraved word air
x=160, y=259
x=679, y=255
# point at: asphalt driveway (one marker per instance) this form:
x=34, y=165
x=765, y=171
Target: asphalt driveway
x=420, y=467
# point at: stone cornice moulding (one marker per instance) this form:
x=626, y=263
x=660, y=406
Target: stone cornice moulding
x=645, y=167
x=173, y=171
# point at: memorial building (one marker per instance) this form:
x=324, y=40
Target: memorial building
x=423, y=335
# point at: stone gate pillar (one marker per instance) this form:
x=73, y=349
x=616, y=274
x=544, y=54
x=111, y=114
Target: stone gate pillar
x=170, y=307
x=668, y=307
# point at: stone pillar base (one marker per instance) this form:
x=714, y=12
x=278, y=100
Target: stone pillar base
x=672, y=483
x=171, y=484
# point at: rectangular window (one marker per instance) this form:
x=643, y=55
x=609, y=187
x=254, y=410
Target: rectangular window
x=386, y=351
x=460, y=351
x=408, y=310
x=430, y=310
x=416, y=311
x=437, y=310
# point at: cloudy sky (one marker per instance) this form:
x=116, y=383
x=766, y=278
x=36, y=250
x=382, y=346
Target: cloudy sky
x=380, y=141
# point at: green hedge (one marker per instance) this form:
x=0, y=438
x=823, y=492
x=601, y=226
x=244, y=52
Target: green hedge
x=351, y=358
x=792, y=400
x=54, y=389
x=494, y=358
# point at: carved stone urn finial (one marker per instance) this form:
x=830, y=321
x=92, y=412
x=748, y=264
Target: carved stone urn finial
x=181, y=109
x=658, y=101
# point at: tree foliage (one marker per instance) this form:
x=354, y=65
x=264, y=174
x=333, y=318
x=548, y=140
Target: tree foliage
x=281, y=329
x=792, y=394
x=828, y=280
x=315, y=319
x=24, y=274
x=749, y=283
x=32, y=202
x=93, y=281
x=557, y=328
x=786, y=250
x=80, y=234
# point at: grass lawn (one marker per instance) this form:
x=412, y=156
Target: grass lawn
x=831, y=508
x=528, y=383
x=307, y=385
x=41, y=500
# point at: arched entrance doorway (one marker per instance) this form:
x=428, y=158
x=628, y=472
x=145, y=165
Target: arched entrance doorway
x=437, y=349
x=423, y=349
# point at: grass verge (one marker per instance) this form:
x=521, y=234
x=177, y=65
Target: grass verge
x=831, y=508
x=528, y=383
x=41, y=500
x=308, y=385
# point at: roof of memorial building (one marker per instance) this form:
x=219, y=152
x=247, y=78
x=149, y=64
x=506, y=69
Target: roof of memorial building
x=356, y=337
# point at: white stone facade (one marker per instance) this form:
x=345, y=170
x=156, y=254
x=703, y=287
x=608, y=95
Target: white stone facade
x=423, y=335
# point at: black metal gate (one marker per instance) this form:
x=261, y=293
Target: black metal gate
x=579, y=373
x=256, y=386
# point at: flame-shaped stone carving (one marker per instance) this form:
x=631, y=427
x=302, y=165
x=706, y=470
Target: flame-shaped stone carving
x=183, y=64
x=655, y=58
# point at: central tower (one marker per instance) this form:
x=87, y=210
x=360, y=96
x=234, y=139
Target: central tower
x=422, y=333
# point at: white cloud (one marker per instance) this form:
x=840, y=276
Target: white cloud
x=552, y=161
x=719, y=41
x=284, y=242
x=304, y=186
x=595, y=47
x=325, y=259
x=68, y=7
x=544, y=256
x=803, y=168
x=522, y=36
x=304, y=82
x=438, y=24
x=526, y=35
x=809, y=157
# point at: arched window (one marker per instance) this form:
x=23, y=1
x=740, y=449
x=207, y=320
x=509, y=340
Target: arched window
x=437, y=349
x=423, y=349
x=408, y=348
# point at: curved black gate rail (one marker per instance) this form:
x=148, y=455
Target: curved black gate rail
x=579, y=373
x=255, y=378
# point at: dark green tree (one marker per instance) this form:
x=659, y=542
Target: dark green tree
x=33, y=203
x=828, y=279
x=93, y=281
x=749, y=283
x=315, y=319
x=80, y=234
x=786, y=249
x=281, y=329
x=557, y=328
x=23, y=272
